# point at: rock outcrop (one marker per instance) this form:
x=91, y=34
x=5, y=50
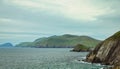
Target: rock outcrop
x=107, y=52
x=81, y=48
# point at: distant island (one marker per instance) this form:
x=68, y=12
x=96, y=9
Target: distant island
x=6, y=45
x=107, y=52
x=63, y=41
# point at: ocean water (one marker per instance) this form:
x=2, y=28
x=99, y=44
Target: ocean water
x=44, y=58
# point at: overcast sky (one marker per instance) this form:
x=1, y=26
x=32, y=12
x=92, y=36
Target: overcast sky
x=27, y=20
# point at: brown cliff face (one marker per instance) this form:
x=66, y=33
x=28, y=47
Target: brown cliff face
x=116, y=66
x=107, y=52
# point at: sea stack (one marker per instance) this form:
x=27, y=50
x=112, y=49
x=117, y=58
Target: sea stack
x=107, y=52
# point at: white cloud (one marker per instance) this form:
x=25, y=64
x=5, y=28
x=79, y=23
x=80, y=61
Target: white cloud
x=75, y=9
x=25, y=27
x=5, y=20
x=8, y=24
x=83, y=10
x=14, y=25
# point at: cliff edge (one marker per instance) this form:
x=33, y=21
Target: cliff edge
x=106, y=52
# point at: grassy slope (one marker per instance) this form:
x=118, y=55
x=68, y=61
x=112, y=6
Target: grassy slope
x=80, y=47
x=62, y=41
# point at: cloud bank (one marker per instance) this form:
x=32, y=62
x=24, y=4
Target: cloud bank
x=32, y=19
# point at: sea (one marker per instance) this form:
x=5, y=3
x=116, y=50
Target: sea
x=44, y=58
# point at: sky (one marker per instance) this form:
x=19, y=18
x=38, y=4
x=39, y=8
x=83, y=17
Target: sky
x=27, y=20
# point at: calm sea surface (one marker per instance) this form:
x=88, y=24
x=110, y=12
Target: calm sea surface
x=44, y=58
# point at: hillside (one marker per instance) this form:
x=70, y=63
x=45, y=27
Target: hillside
x=107, y=52
x=63, y=41
x=80, y=48
x=6, y=45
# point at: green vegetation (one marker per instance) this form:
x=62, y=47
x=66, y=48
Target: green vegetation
x=107, y=52
x=80, y=47
x=116, y=35
x=26, y=44
x=63, y=41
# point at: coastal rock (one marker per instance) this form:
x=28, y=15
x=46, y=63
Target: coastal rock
x=81, y=48
x=107, y=52
x=116, y=66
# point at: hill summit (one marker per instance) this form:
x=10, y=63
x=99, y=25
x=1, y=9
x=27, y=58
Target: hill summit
x=63, y=41
x=6, y=45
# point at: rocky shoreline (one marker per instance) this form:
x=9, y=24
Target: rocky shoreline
x=107, y=52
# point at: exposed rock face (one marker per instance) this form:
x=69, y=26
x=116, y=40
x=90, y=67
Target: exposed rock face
x=107, y=52
x=116, y=66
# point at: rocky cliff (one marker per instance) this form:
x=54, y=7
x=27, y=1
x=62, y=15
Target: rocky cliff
x=107, y=52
